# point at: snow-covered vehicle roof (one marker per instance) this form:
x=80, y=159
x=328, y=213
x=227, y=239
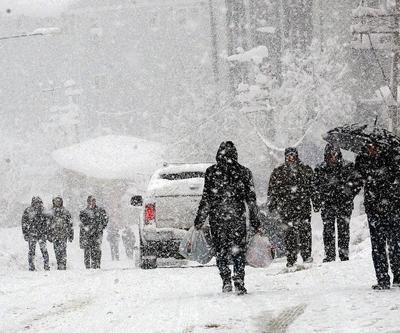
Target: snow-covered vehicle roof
x=190, y=172
x=184, y=167
x=112, y=157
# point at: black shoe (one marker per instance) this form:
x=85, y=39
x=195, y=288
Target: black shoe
x=240, y=288
x=380, y=287
x=328, y=259
x=308, y=260
x=227, y=286
x=32, y=269
x=289, y=265
x=396, y=282
x=344, y=258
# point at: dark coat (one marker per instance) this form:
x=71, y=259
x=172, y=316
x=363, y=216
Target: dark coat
x=228, y=187
x=379, y=178
x=93, y=223
x=337, y=184
x=34, y=224
x=290, y=191
x=60, y=225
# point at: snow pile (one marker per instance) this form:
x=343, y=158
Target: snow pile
x=256, y=55
x=111, y=157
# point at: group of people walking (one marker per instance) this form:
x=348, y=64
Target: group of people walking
x=294, y=189
x=331, y=188
x=40, y=226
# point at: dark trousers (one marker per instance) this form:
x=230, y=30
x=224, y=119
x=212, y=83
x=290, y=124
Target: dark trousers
x=92, y=254
x=235, y=253
x=298, y=238
x=384, y=231
x=114, y=251
x=330, y=215
x=32, y=253
x=129, y=251
x=60, y=250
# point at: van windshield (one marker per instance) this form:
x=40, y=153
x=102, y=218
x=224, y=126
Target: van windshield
x=182, y=175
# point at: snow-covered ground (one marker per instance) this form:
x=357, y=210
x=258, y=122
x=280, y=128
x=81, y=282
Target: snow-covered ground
x=334, y=297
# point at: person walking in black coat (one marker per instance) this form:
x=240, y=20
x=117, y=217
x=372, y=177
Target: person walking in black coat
x=290, y=193
x=94, y=220
x=34, y=229
x=336, y=184
x=376, y=167
x=60, y=231
x=228, y=188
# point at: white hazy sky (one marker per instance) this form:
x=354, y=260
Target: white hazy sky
x=33, y=7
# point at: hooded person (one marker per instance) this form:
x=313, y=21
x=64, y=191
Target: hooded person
x=94, y=220
x=228, y=187
x=290, y=193
x=34, y=229
x=336, y=184
x=379, y=171
x=60, y=231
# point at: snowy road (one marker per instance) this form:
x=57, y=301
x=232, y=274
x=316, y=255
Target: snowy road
x=333, y=297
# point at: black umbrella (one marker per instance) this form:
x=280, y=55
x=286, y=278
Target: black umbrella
x=355, y=137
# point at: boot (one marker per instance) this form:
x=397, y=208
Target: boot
x=309, y=260
x=328, y=259
x=226, y=286
x=396, y=282
x=380, y=287
x=240, y=288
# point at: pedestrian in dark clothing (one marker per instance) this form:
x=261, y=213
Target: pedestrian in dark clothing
x=128, y=238
x=60, y=231
x=113, y=238
x=290, y=192
x=336, y=184
x=34, y=229
x=377, y=169
x=228, y=187
x=94, y=220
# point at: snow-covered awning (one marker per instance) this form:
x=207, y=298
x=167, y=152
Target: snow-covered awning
x=112, y=157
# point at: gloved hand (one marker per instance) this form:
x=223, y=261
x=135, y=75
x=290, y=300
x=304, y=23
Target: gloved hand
x=198, y=226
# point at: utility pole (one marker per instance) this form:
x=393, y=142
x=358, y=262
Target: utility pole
x=394, y=109
x=214, y=41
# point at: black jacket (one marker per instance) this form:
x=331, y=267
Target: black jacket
x=337, y=184
x=60, y=225
x=228, y=187
x=290, y=191
x=93, y=222
x=34, y=224
x=379, y=178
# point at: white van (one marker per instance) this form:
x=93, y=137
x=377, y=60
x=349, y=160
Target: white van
x=169, y=209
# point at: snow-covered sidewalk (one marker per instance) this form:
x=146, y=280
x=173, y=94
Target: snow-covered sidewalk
x=334, y=297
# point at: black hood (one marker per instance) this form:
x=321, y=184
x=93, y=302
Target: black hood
x=36, y=201
x=329, y=149
x=58, y=198
x=227, y=153
x=292, y=151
